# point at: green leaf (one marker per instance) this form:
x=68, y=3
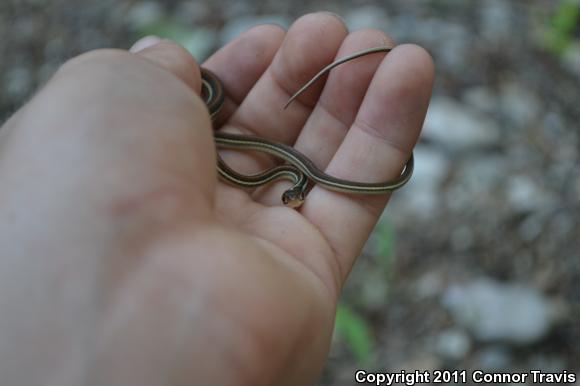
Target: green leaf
x=198, y=41
x=356, y=333
x=385, y=245
x=566, y=16
x=167, y=29
x=559, y=35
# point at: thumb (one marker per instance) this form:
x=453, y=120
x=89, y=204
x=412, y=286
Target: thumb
x=171, y=57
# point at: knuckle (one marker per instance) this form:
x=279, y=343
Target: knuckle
x=93, y=58
x=175, y=59
x=174, y=54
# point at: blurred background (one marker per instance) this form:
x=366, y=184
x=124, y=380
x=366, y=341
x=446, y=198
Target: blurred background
x=476, y=264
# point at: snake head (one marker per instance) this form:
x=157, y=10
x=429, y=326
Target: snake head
x=293, y=198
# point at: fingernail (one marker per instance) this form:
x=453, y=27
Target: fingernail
x=145, y=42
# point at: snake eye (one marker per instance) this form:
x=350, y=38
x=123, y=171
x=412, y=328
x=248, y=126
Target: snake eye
x=293, y=198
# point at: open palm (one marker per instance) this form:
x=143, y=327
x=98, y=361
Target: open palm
x=360, y=125
x=137, y=266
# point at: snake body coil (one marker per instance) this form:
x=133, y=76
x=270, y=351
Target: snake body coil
x=298, y=168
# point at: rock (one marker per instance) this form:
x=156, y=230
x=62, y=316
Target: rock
x=493, y=311
x=548, y=363
x=200, y=42
x=46, y=71
x=495, y=358
x=530, y=228
x=366, y=17
x=453, y=344
x=374, y=290
x=475, y=183
x=26, y=29
x=449, y=42
x=461, y=238
x=482, y=99
x=520, y=105
x=454, y=53
x=18, y=83
x=571, y=59
x=422, y=192
x=496, y=21
x=523, y=193
x=421, y=363
x=55, y=48
x=456, y=125
x=429, y=285
x=239, y=25
x=193, y=12
x=144, y=13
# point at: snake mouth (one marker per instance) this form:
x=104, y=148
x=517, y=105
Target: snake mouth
x=293, y=198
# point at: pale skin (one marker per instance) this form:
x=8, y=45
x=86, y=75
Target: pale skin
x=125, y=261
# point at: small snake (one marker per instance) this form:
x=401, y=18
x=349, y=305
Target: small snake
x=298, y=168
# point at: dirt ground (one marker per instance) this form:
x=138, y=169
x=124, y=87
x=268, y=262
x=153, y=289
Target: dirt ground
x=489, y=225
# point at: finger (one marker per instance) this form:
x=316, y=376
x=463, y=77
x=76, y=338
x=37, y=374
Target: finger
x=301, y=55
x=337, y=107
x=239, y=65
x=376, y=147
x=242, y=62
x=171, y=57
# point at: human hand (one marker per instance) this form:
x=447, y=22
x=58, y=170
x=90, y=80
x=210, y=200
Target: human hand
x=125, y=262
